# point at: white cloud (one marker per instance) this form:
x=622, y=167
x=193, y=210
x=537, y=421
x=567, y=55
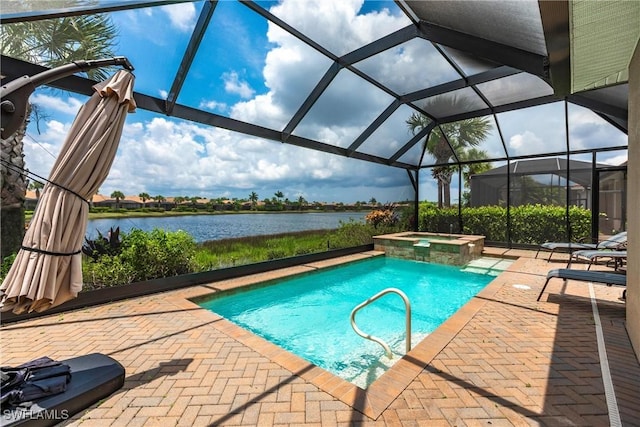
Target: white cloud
x=581, y=116
x=213, y=105
x=163, y=93
x=534, y=130
x=336, y=25
x=182, y=15
x=270, y=171
x=41, y=150
x=292, y=68
x=170, y=157
x=518, y=142
x=403, y=68
x=50, y=104
x=588, y=130
x=261, y=110
x=615, y=160
x=233, y=84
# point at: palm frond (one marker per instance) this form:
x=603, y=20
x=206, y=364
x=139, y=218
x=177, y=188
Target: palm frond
x=60, y=41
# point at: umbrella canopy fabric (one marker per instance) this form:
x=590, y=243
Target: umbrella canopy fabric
x=48, y=268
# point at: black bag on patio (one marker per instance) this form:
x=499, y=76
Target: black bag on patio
x=33, y=380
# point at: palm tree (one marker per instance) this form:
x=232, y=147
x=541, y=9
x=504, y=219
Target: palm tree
x=475, y=168
x=159, y=199
x=279, y=195
x=144, y=197
x=470, y=169
x=178, y=200
x=460, y=136
x=253, y=197
x=37, y=186
x=50, y=42
x=118, y=195
x=301, y=202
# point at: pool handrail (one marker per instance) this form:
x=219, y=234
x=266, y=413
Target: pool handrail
x=407, y=306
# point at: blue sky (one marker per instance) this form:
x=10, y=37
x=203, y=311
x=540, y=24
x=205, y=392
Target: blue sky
x=253, y=71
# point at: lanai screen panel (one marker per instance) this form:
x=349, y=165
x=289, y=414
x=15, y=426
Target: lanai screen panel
x=339, y=115
x=468, y=63
x=518, y=87
x=534, y=181
x=588, y=131
x=391, y=136
x=535, y=130
x=513, y=23
x=409, y=67
x=452, y=103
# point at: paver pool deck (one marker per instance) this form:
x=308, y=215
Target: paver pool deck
x=504, y=359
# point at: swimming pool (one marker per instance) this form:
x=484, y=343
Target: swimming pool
x=309, y=314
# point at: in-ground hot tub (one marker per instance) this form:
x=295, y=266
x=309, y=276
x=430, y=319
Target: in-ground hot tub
x=451, y=249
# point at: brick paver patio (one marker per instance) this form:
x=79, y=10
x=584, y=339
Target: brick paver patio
x=503, y=360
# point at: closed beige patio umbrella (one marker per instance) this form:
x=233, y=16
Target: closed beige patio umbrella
x=48, y=268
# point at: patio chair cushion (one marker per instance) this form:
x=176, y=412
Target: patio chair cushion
x=614, y=242
x=593, y=255
x=585, y=276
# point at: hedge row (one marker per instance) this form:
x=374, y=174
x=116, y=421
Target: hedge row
x=530, y=224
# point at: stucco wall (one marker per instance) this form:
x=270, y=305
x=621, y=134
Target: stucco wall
x=633, y=206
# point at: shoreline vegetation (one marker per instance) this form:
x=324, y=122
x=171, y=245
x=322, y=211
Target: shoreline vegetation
x=122, y=213
x=140, y=255
x=115, y=259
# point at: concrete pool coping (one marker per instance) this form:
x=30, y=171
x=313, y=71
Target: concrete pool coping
x=371, y=401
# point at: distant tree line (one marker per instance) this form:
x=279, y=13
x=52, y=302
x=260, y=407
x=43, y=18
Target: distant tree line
x=194, y=203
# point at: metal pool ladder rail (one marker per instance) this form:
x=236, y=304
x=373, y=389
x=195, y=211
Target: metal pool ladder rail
x=407, y=306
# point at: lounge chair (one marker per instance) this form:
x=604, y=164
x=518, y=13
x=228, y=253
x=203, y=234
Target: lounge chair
x=612, y=242
x=592, y=256
x=585, y=276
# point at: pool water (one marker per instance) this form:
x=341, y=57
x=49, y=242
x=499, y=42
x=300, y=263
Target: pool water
x=309, y=314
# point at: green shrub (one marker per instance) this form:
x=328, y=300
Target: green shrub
x=150, y=255
x=184, y=209
x=100, y=209
x=159, y=253
x=352, y=233
x=489, y=221
x=444, y=220
x=580, y=220
x=101, y=245
x=276, y=253
x=108, y=271
x=530, y=224
x=534, y=224
x=6, y=265
x=143, y=256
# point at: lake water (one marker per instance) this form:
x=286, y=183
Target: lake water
x=216, y=227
